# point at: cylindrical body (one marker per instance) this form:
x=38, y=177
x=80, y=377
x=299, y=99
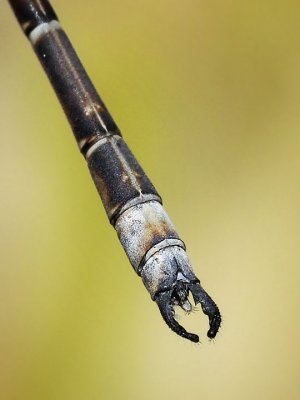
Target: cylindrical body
x=131, y=202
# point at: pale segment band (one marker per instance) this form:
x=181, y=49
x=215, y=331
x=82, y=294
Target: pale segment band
x=42, y=30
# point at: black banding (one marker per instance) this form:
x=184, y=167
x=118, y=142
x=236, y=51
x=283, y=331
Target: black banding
x=32, y=13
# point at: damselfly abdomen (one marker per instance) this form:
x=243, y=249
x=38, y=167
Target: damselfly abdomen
x=131, y=202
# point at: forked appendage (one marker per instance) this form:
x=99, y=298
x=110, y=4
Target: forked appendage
x=169, y=278
x=178, y=295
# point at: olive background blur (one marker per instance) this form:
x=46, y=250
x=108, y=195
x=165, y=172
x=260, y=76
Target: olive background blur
x=207, y=95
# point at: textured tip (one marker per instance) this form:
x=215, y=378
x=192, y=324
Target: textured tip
x=164, y=302
x=178, y=296
x=209, y=308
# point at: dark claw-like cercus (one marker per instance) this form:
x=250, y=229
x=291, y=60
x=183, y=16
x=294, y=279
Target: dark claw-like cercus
x=168, y=299
x=175, y=282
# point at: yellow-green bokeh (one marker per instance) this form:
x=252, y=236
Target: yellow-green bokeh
x=207, y=95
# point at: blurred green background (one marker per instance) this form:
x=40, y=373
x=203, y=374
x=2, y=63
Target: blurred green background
x=207, y=95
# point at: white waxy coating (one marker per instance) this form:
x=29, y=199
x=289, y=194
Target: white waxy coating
x=161, y=272
x=139, y=227
x=162, y=245
x=42, y=30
